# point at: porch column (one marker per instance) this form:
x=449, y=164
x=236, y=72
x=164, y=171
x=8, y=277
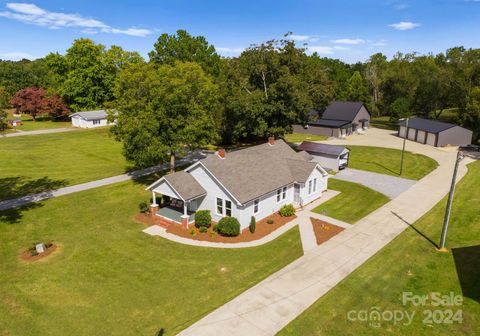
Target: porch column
x=154, y=205
x=185, y=216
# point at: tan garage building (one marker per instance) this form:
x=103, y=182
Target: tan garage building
x=435, y=133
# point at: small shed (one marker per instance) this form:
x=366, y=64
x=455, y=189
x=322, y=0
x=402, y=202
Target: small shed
x=435, y=133
x=90, y=119
x=329, y=156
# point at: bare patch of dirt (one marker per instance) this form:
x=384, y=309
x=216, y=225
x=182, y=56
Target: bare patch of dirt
x=27, y=256
x=323, y=230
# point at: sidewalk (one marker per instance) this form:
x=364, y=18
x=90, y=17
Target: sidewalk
x=270, y=305
x=45, y=131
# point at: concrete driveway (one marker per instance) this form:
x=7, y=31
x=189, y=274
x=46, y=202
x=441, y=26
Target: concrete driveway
x=391, y=186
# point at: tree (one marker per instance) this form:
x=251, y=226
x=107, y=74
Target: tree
x=356, y=89
x=400, y=108
x=3, y=120
x=184, y=47
x=30, y=101
x=472, y=113
x=164, y=111
x=374, y=75
x=56, y=108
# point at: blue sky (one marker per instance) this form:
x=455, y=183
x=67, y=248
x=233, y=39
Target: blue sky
x=348, y=30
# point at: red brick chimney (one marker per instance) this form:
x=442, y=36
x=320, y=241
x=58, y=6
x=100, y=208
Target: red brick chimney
x=271, y=140
x=221, y=152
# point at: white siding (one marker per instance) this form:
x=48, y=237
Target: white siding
x=166, y=190
x=321, y=186
x=82, y=123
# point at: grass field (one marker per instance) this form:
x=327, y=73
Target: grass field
x=110, y=278
x=410, y=263
x=41, y=123
x=299, y=137
x=383, y=122
x=387, y=161
x=37, y=163
x=355, y=201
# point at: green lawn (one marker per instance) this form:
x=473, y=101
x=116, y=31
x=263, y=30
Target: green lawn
x=387, y=161
x=355, y=201
x=410, y=263
x=384, y=123
x=41, y=123
x=37, y=163
x=110, y=278
x=299, y=137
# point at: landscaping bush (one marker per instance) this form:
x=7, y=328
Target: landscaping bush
x=270, y=221
x=144, y=208
x=253, y=224
x=203, y=218
x=202, y=229
x=287, y=210
x=228, y=227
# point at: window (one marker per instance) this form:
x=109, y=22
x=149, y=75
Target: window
x=279, y=195
x=284, y=192
x=309, y=187
x=96, y=122
x=314, y=184
x=255, y=206
x=228, y=208
x=219, y=206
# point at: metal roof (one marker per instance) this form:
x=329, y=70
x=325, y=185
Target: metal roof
x=315, y=147
x=91, y=115
x=331, y=123
x=427, y=125
x=340, y=110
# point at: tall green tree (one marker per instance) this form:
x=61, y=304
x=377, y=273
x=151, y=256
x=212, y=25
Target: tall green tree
x=357, y=90
x=164, y=111
x=374, y=76
x=184, y=47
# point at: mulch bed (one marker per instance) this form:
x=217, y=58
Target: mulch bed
x=323, y=230
x=262, y=229
x=26, y=256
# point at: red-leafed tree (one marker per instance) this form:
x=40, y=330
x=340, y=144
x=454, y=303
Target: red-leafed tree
x=36, y=101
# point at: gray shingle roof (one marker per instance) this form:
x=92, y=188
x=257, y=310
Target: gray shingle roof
x=315, y=147
x=91, y=115
x=185, y=184
x=305, y=155
x=427, y=125
x=255, y=171
x=342, y=110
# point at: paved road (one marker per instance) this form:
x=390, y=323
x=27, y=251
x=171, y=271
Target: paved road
x=45, y=131
x=17, y=202
x=270, y=305
x=391, y=186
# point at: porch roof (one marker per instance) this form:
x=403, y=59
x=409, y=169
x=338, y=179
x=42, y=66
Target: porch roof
x=185, y=185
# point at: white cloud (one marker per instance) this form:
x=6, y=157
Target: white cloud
x=230, y=50
x=348, y=41
x=16, y=56
x=401, y=6
x=380, y=43
x=404, y=25
x=340, y=48
x=32, y=14
x=299, y=38
x=321, y=50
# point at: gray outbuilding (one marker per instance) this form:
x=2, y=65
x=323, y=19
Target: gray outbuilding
x=330, y=157
x=435, y=133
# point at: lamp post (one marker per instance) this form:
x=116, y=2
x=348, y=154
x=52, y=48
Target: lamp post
x=448, y=209
x=404, y=141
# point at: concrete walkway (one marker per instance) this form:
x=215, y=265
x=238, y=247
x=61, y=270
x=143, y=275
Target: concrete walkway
x=45, y=131
x=391, y=186
x=270, y=305
x=302, y=216
x=24, y=200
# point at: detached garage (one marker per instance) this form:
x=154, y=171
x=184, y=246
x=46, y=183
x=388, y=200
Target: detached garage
x=329, y=156
x=434, y=133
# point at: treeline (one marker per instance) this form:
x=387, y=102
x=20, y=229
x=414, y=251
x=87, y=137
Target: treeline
x=261, y=92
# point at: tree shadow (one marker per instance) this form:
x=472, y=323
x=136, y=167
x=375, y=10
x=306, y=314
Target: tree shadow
x=19, y=194
x=415, y=229
x=386, y=168
x=161, y=332
x=467, y=262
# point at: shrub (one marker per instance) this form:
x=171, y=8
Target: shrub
x=228, y=226
x=202, y=229
x=287, y=210
x=193, y=232
x=253, y=224
x=203, y=218
x=144, y=208
x=270, y=221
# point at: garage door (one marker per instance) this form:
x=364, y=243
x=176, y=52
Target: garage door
x=401, y=134
x=411, y=133
x=421, y=136
x=431, y=137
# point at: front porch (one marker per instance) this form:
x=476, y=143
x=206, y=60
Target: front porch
x=175, y=214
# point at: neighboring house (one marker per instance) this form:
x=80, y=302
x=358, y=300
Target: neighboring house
x=90, y=119
x=435, y=133
x=328, y=156
x=255, y=181
x=339, y=120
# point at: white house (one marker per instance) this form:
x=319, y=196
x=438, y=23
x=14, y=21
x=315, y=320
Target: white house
x=90, y=119
x=329, y=156
x=256, y=181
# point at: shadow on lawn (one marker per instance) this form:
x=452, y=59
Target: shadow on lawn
x=415, y=229
x=18, y=193
x=386, y=168
x=467, y=262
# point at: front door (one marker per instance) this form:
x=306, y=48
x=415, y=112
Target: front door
x=296, y=193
